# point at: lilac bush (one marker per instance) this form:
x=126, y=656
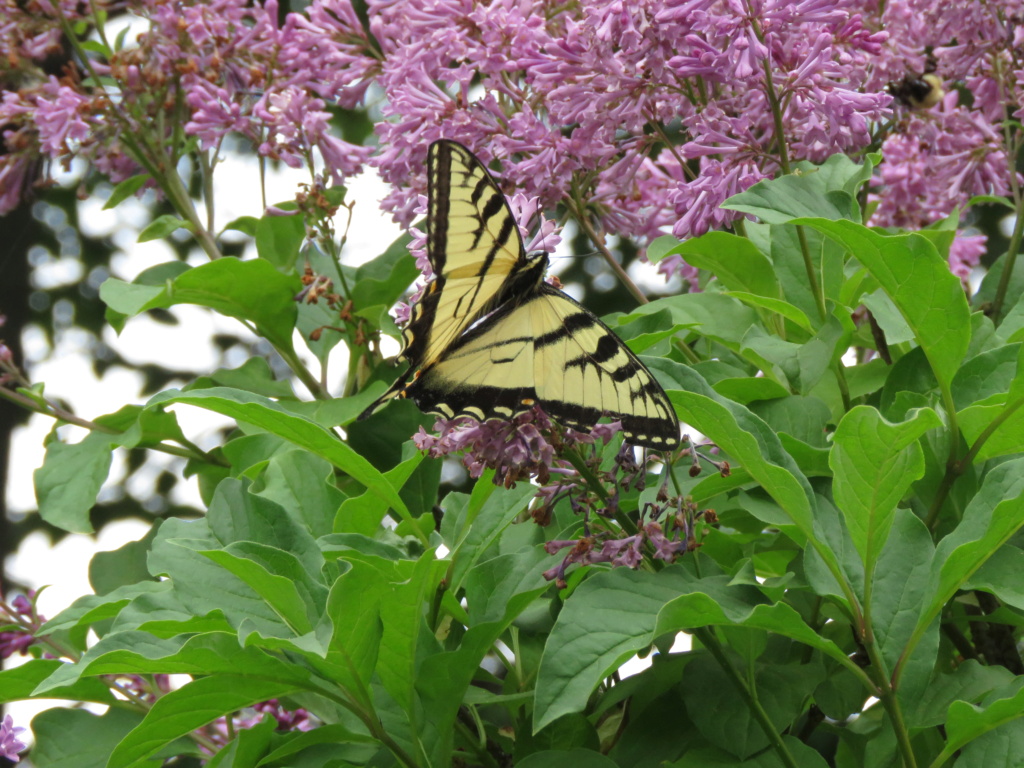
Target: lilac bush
x=843, y=538
x=577, y=105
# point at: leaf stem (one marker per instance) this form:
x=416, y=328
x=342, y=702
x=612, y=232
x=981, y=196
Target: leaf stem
x=710, y=641
x=955, y=467
x=1012, y=142
x=56, y=412
x=579, y=214
x=887, y=695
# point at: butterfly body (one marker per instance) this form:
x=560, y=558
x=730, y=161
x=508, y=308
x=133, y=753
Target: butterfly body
x=490, y=339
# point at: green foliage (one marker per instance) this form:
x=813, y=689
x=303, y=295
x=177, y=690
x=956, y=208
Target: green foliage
x=853, y=601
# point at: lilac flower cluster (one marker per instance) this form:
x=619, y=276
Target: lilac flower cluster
x=936, y=160
x=670, y=531
x=20, y=621
x=220, y=732
x=621, y=76
x=576, y=101
x=522, y=448
x=646, y=115
x=10, y=745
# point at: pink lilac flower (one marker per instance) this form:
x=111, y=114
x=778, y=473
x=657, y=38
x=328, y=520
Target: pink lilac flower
x=10, y=745
x=516, y=449
x=21, y=620
x=943, y=157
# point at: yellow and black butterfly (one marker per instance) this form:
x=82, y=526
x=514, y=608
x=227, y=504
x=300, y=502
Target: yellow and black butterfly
x=490, y=339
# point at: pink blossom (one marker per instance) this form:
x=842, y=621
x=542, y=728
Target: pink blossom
x=10, y=745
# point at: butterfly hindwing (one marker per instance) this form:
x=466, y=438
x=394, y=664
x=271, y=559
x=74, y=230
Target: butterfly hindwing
x=546, y=349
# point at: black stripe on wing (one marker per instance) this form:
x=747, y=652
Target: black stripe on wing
x=451, y=398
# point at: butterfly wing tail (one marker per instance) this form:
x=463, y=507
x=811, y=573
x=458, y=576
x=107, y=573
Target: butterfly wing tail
x=395, y=390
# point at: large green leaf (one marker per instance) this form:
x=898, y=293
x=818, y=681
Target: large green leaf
x=999, y=418
x=75, y=738
x=917, y=279
x=195, y=704
x=874, y=463
x=735, y=261
x=269, y=415
x=991, y=518
x=613, y=615
x=71, y=476
x=745, y=438
x=253, y=291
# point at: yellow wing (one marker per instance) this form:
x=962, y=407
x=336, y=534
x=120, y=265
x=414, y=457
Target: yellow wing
x=543, y=348
x=474, y=247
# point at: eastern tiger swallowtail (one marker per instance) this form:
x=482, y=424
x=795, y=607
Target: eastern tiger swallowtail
x=490, y=339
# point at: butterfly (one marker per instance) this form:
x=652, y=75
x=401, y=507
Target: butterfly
x=490, y=339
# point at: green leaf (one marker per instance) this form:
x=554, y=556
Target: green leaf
x=270, y=416
x=749, y=390
x=19, y=683
x=69, y=480
x=1000, y=575
x=745, y=438
x=779, y=201
x=75, y=738
x=301, y=483
x=713, y=315
x=363, y=514
x=382, y=280
x=403, y=641
x=782, y=308
x=993, y=199
x=470, y=536
x=195, y=704
x=125, y=189
x=492, y=584
x=919, y=282
x=734, y=261
x=888, y=317
x=254, y=375
x=162, y=226
x=92, y=608
x=902, y=582
x=993, y=515
x=354, y=610
x=999, y=417
x=874, y=463
x=141, y=653
x=990, y=373
x=246, y=290
x=725, y=719
x=249, y=745
x=966, y=722
x=615, y=614
x=804, y=418
x=234, y=515
x=969, y=682
x=279, y=238
x=1000, y=747
x=244, y=224
x=276, y=576
x=990, y=283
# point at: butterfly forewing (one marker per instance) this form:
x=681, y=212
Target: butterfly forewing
x=474, y=247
